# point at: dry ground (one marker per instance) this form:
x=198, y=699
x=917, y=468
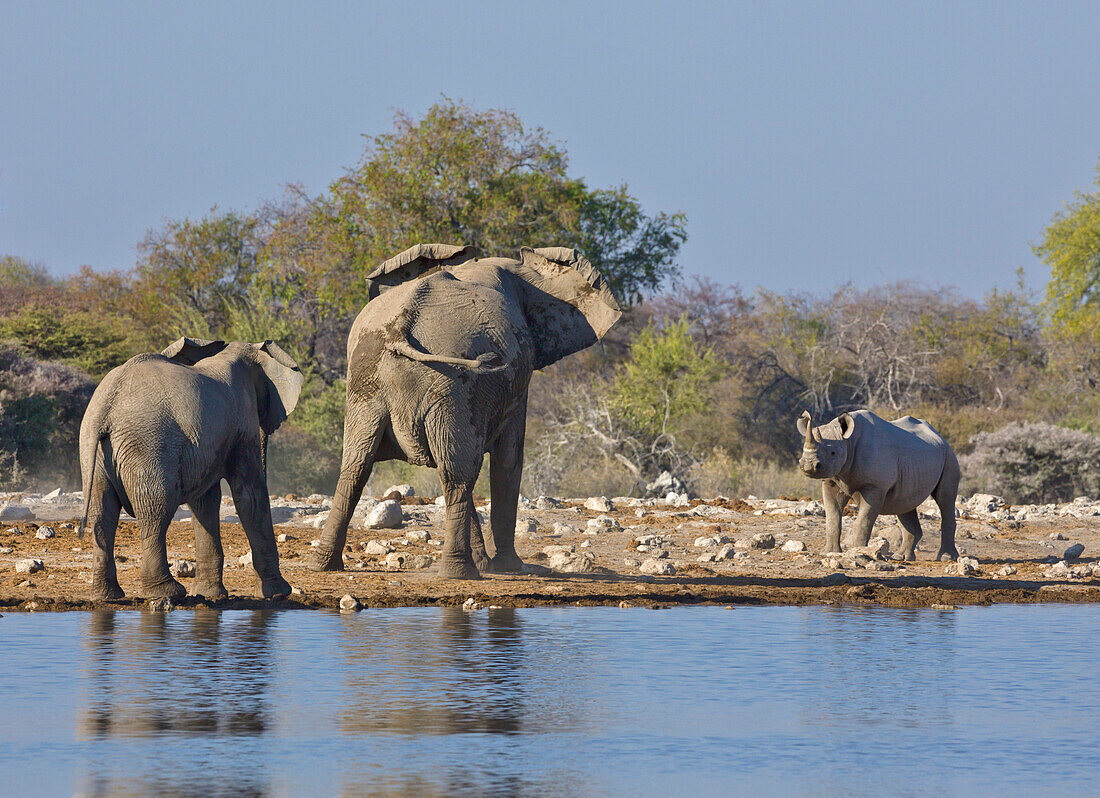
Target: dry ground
x=762, y=577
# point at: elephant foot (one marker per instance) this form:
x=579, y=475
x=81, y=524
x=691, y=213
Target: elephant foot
x=169, y=588
x=211, y=590
x=482, y=563
x=458, y=569
x=506, y=564
x=836, y=552
x=107, y=591
x=269, y=588
x=326, y=561
x=952, y=554
x=907, y=555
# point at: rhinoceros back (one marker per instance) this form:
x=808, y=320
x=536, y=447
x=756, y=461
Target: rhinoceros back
x=921, y=454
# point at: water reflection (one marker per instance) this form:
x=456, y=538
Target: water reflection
x=464, y=675
x=159, y=675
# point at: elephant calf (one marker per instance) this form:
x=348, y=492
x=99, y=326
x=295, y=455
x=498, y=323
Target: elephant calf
x=164, y=430
x=892, y=466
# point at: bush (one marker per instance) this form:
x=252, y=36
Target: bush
x=1033, y=463
x=41, y=404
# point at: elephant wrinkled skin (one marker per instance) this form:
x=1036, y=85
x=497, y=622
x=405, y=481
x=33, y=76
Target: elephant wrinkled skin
x=439, y=363
x=893, y=466
x=164, y=429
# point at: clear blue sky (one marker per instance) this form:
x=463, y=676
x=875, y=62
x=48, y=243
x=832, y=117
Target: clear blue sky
x=809, y=143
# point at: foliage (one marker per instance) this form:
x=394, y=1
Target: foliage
x=41, y=405
x=1071, y=248
x=89, y=341
x=1034, y=463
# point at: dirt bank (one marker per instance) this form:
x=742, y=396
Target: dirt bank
x=607, y=552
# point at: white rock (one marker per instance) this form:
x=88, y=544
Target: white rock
x=440, y=501
x=45, y=532
x=527, y=526
x=245, y=559
x=601, y=523
x=182, y=568
x=1060, y=570
x=387, y=515
x=985, y=503
x=53, y=494
x=408, y=562
x=704, y=543
x=285, y=538
x=470, y=605
x=349, y=603
x=418, y=536
x=877, y=548
x=546, y=503
x=161, y=604
x=966, y=566
x=763, y=540
x=657, y=567
x=573, y=562
x=376, y=548
x=13, y=530
x=794, y=546
x=710, y=556
x=565, y=529
x=6, y=550
x=29, y=566
x=404, y=491
x=1006, y=570
x=599, y=504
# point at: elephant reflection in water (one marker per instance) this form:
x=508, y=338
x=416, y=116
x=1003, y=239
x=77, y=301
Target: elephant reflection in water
x=173, y=677
x=439, y=681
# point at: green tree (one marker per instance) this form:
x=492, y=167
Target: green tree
x=1071, y=248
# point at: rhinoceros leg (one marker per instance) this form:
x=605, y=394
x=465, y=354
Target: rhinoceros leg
x=835, y=500
x=944, y=495
x=910, y=522
x=870, y=504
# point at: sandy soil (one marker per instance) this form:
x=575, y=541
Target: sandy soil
x=770, y=576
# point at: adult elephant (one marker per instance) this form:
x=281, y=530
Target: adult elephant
x=439, y=363
x=165, y=429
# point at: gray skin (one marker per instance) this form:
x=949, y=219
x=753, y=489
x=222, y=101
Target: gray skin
x=892, y=466
x=439, y=363
x=165, y=429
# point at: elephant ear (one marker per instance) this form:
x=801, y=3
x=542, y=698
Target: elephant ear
x=568, y=304
x=416, y=261
x=278, y=388
x=190, y=351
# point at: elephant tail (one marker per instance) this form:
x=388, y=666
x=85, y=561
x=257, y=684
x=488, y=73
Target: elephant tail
x=88, y=462
x=485, y=363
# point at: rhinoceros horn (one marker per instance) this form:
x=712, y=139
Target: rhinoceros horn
x=810, y=445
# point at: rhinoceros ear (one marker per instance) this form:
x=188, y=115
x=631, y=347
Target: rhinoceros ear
x=804, y=422
x=190, y=351
x=847, y=425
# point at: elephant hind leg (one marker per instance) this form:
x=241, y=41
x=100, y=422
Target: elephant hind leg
x=209, y=555
x=103, y=510
x=156, y=580
x=459, y=528
x=364, y=426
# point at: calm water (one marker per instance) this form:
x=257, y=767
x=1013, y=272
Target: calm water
x=598, y=701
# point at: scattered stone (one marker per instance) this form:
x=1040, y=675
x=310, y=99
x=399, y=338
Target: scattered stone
x=470, y=605
x=944, y=607
x=11, y=530
x=573, y=563
x=53, y=494
x=1057, y=536
x=385, y=515
x=877, y=548
x=285, y=538
x=15, y=512
x=601, y=523
x=245, y=559
x=565, y=529
x=599, y=504
x=625, y=605
x=831, y=562
x=547, y=503
x=418, y=536
x=376, y=548
x=710, y=556
x=1006, y=570
x=29, y=566
x=26, y=583
x=794, y=546
x=657, y=567
x=742, y=543
x=663, y=485
x=161, y=604
x=1060, y=570
x=404, y=491
x=409, y=562
x=526, y=527
x=966, y=566
x=727, y=553
x=349, y=603
x=45, y=533
x=763, y=540
x=295, y=592
x=1075, y=551
x=985, y=503
x=182, y=569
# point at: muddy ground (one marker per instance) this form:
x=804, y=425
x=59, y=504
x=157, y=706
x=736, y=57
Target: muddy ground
x=756, y=576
